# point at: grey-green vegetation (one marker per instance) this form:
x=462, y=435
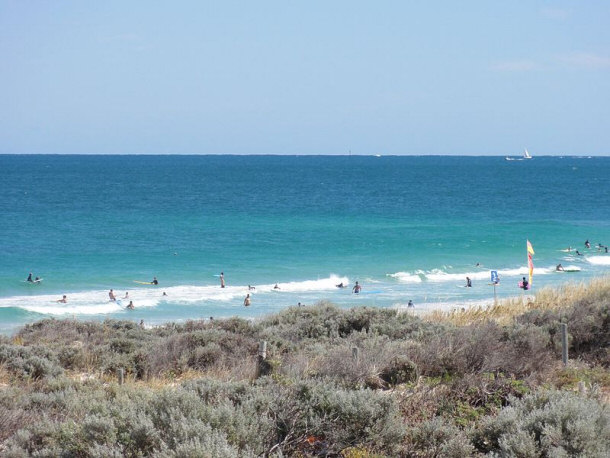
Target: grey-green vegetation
x=414, y=387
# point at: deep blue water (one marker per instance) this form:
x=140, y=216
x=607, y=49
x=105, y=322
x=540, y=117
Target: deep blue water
x=405, y=227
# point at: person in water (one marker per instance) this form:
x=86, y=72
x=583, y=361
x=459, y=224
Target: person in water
x=247, y=300
x=130, y=306
x=154, y=282
x=63, y=300
x=276, y=286
x=30, y=278
x=410, y=304
x=468, y=282
x=251, y=288
x=587, y=244
x=126, y=296
x=340, y=285
x=578, y=253
x=164, y=294
x=356, y=289
x=525, y=284
x=559, y=268
x=222, y=279
x=112, y=296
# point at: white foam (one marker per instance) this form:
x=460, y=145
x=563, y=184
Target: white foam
x=440, y=275
x=96, y=302
x=599, y=260
x=406, y=277
x=324, y=284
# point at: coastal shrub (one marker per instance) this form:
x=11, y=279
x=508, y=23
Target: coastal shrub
x=547, y=423
x=399, y=370
x=199, y=349
x=458, y=351
x=438, y=438
x=29, y=362
x=340, y=418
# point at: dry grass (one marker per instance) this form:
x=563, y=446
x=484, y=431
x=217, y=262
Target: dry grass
x=545, y=299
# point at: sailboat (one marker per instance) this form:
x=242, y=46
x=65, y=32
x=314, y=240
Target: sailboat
x=526, y=155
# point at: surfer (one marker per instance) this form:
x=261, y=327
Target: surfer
x=340, y=285
x=587, y=244
x=247, y=301
x=112, y=296
x=30, y=278
x=578, y=253
x=164, y=294
x=130, y=305
x=251, y=288
x=222, y=279
x=154, y=282
x=468, y=282
x=63, y=300
x=410, y=304
x=525, y=284
x=356, y=289
x=37, y=280
x=559, y=268
x=276, y=286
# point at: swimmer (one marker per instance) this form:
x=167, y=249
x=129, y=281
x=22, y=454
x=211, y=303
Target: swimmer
x=130, y=305
x=126, y=296
x=468, y=282
x=559, y=268
x=63, y=300
x=164, y=294
x=587, y=244
x=112, y=296
x=410, y=304
x=525, y=284
x=578, y=253
x=356, y=289
x=247, y=301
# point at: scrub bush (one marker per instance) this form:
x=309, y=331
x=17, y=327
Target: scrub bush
x=547, y=423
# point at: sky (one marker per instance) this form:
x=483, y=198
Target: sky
x=309, y=77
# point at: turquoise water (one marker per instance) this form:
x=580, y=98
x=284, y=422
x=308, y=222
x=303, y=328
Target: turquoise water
x=404, y=227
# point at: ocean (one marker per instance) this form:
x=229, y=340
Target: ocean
x=406, y=228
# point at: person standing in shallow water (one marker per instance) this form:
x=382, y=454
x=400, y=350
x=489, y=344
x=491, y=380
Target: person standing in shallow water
x=356, y=289
x=247, y=301
x=222, y=279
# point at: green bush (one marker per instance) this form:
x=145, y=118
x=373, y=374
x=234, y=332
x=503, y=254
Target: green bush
x=547, y=423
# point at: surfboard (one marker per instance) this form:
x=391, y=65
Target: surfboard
x=34, y=282
x=143, y=282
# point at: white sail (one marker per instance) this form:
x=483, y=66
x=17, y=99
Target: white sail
x=526, y=155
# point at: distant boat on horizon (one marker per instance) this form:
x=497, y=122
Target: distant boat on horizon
x=526, y=155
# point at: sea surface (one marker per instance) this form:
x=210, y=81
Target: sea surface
x=407, y=228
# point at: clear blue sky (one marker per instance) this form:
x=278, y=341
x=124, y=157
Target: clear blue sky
x=309, y=77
